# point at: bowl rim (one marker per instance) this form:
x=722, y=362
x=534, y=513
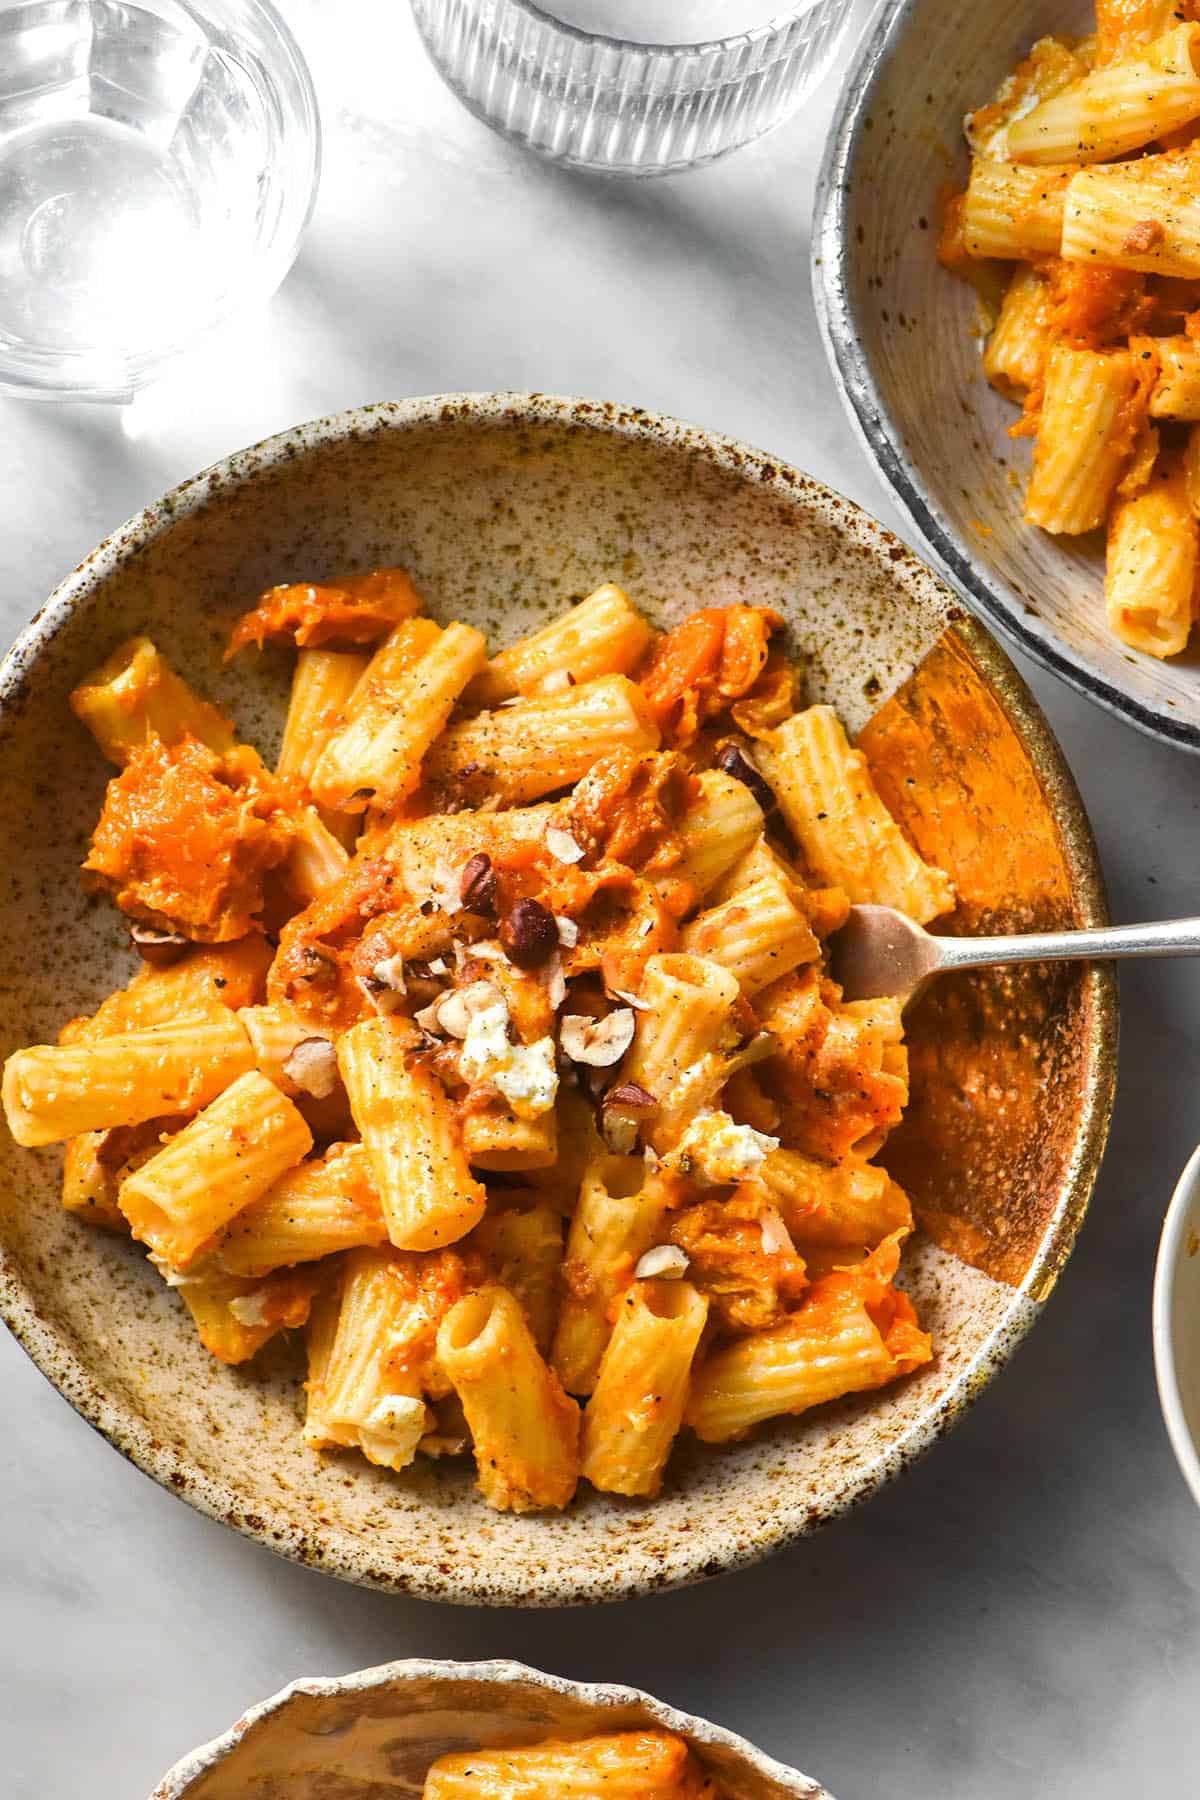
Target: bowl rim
x=1171, y=1247
x=218, y=1497
x=983, y=591
x=500, y=1671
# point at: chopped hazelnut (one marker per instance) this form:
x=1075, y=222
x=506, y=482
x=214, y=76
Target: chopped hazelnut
x=529, y=935
x=597, y=1042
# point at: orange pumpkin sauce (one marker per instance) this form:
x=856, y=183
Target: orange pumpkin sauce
x=185, y=838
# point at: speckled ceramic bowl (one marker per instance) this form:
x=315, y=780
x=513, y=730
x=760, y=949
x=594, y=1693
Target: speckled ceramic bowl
x=506, y=508
x=359, y=1736
x=902, y=338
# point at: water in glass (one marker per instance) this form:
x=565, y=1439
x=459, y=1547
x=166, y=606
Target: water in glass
x=135, y=157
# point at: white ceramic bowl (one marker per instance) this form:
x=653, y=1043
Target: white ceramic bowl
x=900, y=334
x=356, y=1736
x=1177, y=1323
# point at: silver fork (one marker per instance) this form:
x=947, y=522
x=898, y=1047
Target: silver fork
x=879, y=951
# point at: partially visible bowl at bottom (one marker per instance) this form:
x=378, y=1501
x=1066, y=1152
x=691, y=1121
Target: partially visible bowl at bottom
x=343, y=1737
x=1177, y=1323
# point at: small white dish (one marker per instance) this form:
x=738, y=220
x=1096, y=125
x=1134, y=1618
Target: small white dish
x=1177, y=1323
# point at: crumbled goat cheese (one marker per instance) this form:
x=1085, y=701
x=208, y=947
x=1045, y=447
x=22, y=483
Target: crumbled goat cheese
x=722, y=1151
x=250, y=1309
x=524, y=1073
x=391, y=1431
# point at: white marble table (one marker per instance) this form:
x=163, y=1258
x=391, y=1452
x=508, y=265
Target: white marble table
x=1020, y=1615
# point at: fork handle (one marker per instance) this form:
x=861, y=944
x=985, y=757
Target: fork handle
x=1165, y=937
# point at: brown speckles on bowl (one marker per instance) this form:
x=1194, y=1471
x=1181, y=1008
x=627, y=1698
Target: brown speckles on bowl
x=358, y=1736
x=504, y=507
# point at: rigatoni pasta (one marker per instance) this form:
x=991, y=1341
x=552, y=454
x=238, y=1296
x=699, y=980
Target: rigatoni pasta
x=845, y=831
x=616, y=1765
x=604, y=635
x=226, y=1158
x=637, y=1404
x=525, y=1428
x=1084, y=176
x=531, y=1102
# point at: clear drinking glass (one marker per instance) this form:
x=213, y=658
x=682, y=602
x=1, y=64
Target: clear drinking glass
x=158, y=164
x=582, y=82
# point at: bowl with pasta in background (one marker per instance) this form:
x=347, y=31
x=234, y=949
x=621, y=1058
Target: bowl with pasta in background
x=904, y=337
x=406, y=1722
x=511, y=514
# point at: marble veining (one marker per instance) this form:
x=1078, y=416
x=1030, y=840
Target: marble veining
x=1021, y=1614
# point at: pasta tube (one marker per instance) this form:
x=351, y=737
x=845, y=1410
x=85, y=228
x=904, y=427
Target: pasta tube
x=618, y=1217
x=216, y=976
x=635, y=1410
x=89, y=1183
x=525, y=1428
x=625, y=1765
x=369, y=1355
x=136, y=694
x=430, y=853
x=321, y=688
x=523, y=1248
x=846, y=833
x=717, y=829
x=228, y=1157
x=52, y=1092
x=1013, y=211
x=317, y=859
x=314, y=1210
x=235, y=1318
x=1021, y=338
x=1190, y=463
x=758, y=934
x=1125, y=27
x=687, y=1001
x=1114, y=110
x=494, y=1137
x=521, y=752
x=850, y=1203
x=1176, y=391
x=1143, y=215
x=428, y=1194
x=275, y=1031
x=1151, y=571
x=376, y=757
x=603, y=635
x=1091, y=408
x=854, y=1331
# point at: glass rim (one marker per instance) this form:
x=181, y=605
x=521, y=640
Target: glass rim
x=772, y=27
x=38, y=371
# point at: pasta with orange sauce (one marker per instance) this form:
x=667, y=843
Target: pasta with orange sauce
x=1085, y=184
x=535, y=1102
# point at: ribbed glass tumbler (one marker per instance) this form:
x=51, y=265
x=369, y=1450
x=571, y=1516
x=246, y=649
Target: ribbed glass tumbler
x=620, y=107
